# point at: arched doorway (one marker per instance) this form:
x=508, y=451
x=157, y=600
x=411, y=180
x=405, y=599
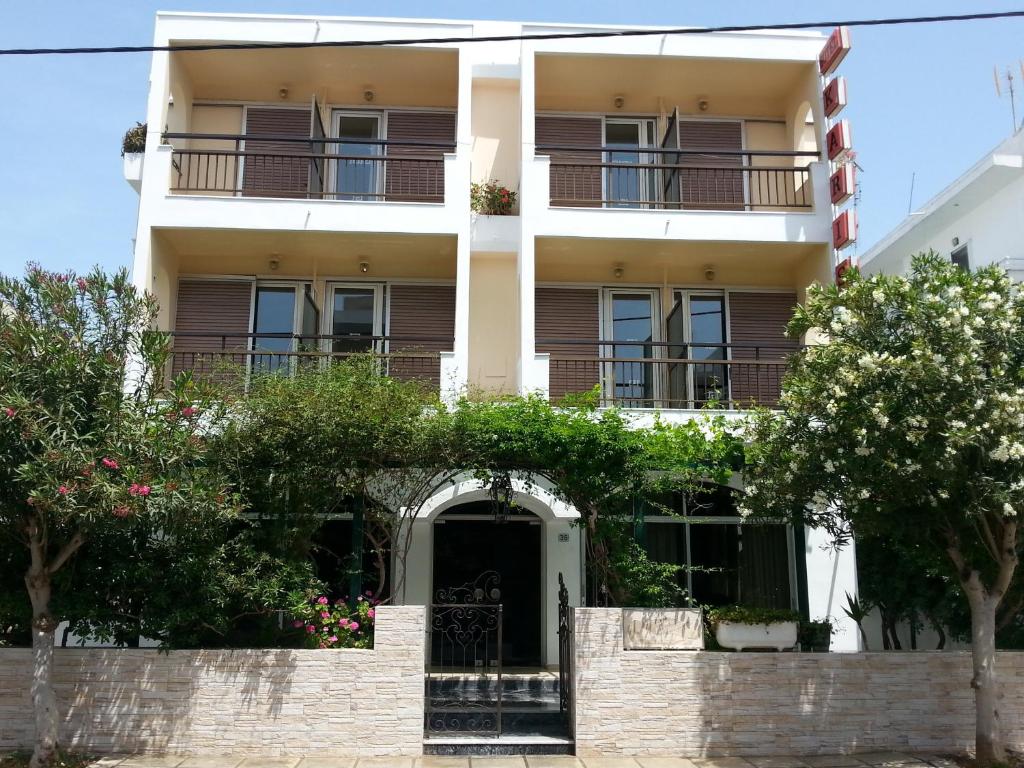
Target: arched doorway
x=472, y=548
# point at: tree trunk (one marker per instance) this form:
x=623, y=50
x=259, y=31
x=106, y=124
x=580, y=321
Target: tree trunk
x=44, y=698
x=988, y=742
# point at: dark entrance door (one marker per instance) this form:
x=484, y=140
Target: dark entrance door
x=468, y=543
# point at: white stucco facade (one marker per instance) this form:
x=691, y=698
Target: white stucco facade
x=767, y=83
x=981, y=211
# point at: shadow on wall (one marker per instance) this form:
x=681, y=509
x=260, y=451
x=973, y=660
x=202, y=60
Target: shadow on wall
x=696, y=703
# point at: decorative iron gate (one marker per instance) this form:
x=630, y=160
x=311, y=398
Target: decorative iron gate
x=463, y=673
x=565, y=651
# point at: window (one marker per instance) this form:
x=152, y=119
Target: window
x=355, y=318
x=627, y=187
x=283, y=314
x=696, y=331
x=630, y=317
x=961, y=257
x=359, y=174
x=726, y=561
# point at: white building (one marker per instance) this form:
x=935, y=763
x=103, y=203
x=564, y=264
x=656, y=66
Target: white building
x=673, y=206
x=975, y=221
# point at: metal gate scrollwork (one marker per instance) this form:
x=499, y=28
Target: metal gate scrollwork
x=463, y=674
x=565, y=651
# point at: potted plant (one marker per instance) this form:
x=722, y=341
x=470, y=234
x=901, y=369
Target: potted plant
x=491, y=199
x=740, y=627
x=133, y=149
x=816, y=636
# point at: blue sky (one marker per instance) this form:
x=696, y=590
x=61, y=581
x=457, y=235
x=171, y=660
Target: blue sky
x=921, y=101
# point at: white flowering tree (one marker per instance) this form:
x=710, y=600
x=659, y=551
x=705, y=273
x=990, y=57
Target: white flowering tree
x=908, y=423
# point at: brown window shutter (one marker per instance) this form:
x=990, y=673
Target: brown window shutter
x=713, y=182
x=570, y=314
x=417, y=180
x=757, y=330
x=575, y=180
x=420, y=311
x=268, y=172
x=219, y=308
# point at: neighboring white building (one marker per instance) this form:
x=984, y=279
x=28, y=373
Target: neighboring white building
x=673, y=208
x=976, y=221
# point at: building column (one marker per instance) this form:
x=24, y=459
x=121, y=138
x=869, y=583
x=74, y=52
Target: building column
x=831, y=576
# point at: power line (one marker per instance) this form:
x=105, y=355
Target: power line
x=510, y=38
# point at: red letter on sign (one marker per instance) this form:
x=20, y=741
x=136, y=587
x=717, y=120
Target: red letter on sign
x=834, y=96
x=837, y=141
x=836, y=47
x=844, y=229
x=842, y=183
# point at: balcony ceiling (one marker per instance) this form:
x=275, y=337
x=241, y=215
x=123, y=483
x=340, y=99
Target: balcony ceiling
x=304, y=254
x=650, y=84
x=398, y=76
x=593, y=260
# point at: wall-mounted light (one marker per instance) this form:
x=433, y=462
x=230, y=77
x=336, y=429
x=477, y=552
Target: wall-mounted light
x=956, y=241
x=273, y=262
x=709, y=272
x=619, y=101
x=369, y=95
x=618, y=271
x=364, y=267
x=283, y=94
x=702, y=103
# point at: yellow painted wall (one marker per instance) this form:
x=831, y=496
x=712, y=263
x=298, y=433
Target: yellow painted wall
x=495, y=128
x=164, y=283
x=493, y=322
x=215, y=171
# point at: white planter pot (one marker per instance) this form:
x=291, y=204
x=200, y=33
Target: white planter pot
x=133, y=169
x=780, y=635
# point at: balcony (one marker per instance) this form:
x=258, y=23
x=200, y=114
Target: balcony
x=233, y=358
x=674, y=179
x=282, y=166
x=668, y=375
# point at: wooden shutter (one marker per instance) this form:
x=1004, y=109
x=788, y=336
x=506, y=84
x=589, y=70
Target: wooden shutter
x=269, y=171
x=417, y=180
x=569, y=314
x=219, y=308
x=757, y=331
x=709, y=181
x=575, y=177
x=420, y=311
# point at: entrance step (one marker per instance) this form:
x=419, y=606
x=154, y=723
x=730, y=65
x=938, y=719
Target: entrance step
x=506, y=744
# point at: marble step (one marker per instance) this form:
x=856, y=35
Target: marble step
x=506, y=744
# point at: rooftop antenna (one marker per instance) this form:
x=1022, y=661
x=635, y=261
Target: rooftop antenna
x=910, y=202
x=1007, y=78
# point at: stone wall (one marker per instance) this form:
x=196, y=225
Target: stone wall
x=341, y=702
x=714, y=703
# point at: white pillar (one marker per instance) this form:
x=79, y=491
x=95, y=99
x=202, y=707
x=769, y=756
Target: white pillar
x=530, y=205
x=831, y=576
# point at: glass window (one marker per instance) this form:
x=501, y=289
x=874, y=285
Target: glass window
x=274, y=316
x=358, y=178
x=353, y=312
x=725, y=561
x=632, y=319
x=627, y=187
x=961, y=257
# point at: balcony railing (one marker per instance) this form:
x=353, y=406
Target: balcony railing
x=235, y=357
x=313, y=169
x=679, y=179
x=668, y=374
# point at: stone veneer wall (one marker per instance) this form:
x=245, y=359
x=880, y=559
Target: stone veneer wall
x=694, y=703
x=342, y=702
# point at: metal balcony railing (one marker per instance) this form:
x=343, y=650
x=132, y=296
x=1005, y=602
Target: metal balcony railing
x=235, y=357
x=679, y=179
x=667, y=375
x=308, y=168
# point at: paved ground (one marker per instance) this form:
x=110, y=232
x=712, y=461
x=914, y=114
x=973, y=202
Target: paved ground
x=865, y=760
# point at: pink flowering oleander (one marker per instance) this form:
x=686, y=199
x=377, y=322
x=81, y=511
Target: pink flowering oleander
x=11, y=413
x=188, y=411
x=63, y=490
x=109, y=463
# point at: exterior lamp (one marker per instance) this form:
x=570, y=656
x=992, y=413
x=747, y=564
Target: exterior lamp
x=501, y=493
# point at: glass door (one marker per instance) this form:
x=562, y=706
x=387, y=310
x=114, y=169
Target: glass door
x=630, y=329
x=359, y=173
x=625, y=186
x=704, y=315
x=274, y=320
x=354, y=319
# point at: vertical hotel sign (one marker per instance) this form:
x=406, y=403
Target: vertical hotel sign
x=838, y=145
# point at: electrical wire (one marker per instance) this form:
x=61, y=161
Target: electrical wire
x=510, y=38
